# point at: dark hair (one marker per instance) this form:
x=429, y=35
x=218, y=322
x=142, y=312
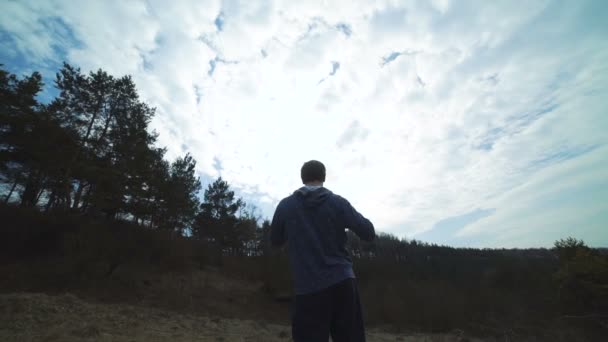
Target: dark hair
x=312, y=171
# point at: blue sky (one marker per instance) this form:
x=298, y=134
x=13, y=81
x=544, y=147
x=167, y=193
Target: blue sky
x=469, y=123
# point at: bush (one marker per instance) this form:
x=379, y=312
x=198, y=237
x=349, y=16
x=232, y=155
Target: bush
x=582, y=278
x=94, y=247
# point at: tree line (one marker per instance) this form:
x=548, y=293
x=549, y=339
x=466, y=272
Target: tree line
x=89, y=151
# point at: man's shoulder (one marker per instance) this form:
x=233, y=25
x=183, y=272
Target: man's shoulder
x=286, y=201
x=339, y=199
x=292, y=199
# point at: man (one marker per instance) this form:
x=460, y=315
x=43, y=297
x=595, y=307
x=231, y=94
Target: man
x=313, y=221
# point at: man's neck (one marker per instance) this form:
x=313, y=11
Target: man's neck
x=313, y=184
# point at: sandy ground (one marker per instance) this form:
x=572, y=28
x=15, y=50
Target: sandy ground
x=40, y=317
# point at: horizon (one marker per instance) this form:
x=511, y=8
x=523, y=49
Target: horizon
x=459, y=124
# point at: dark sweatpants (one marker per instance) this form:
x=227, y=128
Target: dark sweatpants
x=334, y=310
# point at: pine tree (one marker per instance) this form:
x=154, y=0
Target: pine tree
x=181, y=195
x=217, y=221
x=34, y=144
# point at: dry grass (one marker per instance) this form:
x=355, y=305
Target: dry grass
x=40, y=317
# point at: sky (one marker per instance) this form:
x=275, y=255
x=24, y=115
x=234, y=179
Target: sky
x=467, y=123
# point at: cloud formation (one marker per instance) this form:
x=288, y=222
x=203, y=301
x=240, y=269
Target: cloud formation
x=427, y=111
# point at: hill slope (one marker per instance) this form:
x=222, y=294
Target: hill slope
x=40, y=317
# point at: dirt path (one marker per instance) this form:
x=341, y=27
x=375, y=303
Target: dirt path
x=40, y=317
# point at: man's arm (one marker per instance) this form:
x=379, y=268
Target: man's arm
x=278, y=235
x=357, y=223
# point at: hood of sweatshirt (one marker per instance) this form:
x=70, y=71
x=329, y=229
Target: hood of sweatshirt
x=312, y=196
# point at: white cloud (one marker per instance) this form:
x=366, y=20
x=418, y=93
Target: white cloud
x=478, y=108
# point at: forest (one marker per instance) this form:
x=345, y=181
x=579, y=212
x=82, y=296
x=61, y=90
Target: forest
x=91, y=205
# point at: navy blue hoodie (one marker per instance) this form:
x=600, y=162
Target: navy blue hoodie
x=313, y=222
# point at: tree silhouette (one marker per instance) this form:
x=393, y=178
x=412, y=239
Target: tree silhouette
x=180, y=195
x=218, y=222
x=29, y=135
x=89, y=150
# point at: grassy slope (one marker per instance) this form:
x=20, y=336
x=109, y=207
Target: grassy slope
x=40, y=317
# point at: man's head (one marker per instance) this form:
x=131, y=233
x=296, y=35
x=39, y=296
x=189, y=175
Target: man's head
x=313, y=172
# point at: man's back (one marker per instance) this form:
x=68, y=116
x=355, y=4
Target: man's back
x=313, y=222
